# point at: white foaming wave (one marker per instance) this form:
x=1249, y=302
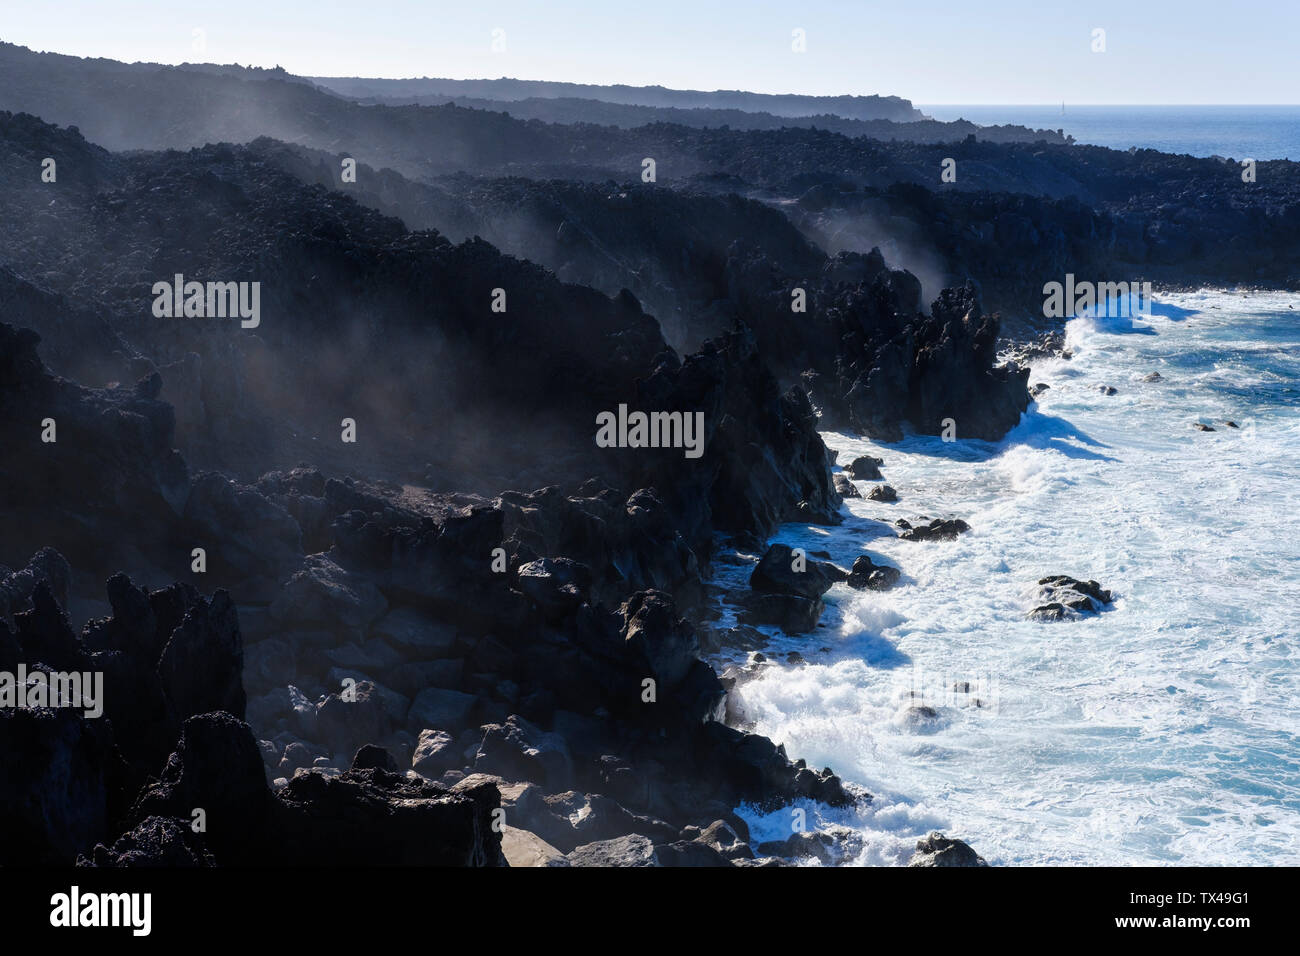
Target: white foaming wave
x=1161, y=731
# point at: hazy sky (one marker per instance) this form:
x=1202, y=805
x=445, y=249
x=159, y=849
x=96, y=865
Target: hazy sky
x=984, y=51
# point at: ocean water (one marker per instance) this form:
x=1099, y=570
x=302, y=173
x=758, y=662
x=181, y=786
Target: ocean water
x=1257, y=132
x=1165, y=730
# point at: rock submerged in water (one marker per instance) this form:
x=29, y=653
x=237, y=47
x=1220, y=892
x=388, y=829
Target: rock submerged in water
x=1202, y=427
x=1063, y=597
x=828, y=847
x=1038, y=388
x=885, y=493
x=935, y=849
x=866, y=468
x=866, y=575
x=1108, y=389
x=939, y=529
x=845, y=487
x=1153, y=377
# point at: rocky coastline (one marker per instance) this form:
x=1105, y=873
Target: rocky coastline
x=361, y=587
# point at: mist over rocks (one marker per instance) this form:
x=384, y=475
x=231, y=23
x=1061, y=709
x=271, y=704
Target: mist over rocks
x=874, y=362
x=524, y=661
x=1015, y=211
x=279, y=366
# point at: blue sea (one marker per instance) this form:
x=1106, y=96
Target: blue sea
x=1238, y=132
x=1165, y=730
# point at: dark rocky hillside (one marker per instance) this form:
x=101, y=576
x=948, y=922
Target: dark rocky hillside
x=1009, y=221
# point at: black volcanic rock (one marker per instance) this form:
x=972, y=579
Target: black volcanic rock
x=866, y=468
x=154, y=841
x=557, y=587
x=868, y=575
x=217, y=768
x=885, y=493
x=366, y=816
x=540, y=636
x=112, y=456
x=939, y=850
x=17, y=587
x=789, y=612
x=1061, y=596
x=780, y=572
x=939, y=529
x=56, y=793
x=201, y=666
x=372, y=817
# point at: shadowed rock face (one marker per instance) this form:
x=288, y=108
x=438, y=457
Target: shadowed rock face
x=111, y=456
x=362, y=817
x=873, y=362
x=530, y=651
x=352, y=307
x=56, y=795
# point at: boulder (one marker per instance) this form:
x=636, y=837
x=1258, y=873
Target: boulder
x=875, y=577
x=518, y=750
x=631, y=850
x=522, y=848
x=939, y=529
x=321, y=594
x=781, y=572
x=414, y=634
x=557, y=586
x=793, y=615
x=884, y=493
x=439, y=709
x=435, y=754
x=866, y=468
x=844, y=487
x=936, y=849
x=1060, y=597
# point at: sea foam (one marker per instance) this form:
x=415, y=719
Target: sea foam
x=1163, y=730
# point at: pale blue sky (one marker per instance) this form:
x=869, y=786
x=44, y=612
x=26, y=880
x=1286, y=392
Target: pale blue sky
x=988, y=51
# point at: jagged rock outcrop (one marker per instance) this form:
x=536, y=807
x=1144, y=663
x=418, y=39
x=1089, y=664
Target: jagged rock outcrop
x=365, y=816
